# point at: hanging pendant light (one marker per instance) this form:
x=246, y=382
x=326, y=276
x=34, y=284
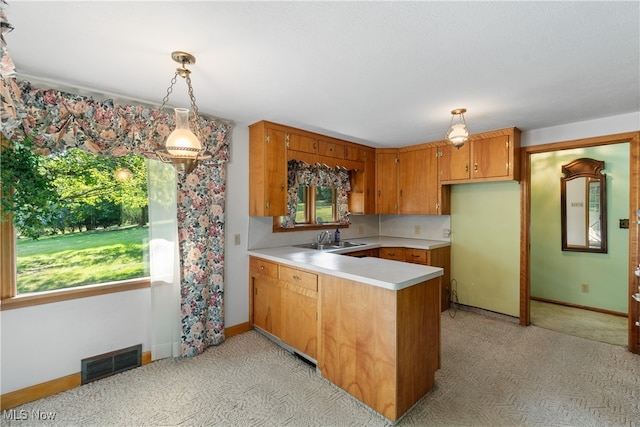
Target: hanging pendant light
x=457, y=134
x=183, y=148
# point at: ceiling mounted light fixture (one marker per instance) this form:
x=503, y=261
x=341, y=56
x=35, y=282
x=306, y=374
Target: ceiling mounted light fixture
x=457, y=134
x=183, y=148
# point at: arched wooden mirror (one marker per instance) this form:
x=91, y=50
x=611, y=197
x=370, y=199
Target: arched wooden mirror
x=584, y=206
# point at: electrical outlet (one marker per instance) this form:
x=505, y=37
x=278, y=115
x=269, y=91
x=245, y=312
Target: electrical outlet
x=360, y=230
x=584, y=287
x=446, y=232
x=236, y=239
x=417, y=229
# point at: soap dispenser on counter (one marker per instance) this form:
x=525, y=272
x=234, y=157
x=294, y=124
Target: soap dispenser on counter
x=336, y=236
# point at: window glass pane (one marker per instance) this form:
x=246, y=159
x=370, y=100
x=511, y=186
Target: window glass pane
x=96, y=228
x=303, y=198
x=325, y=204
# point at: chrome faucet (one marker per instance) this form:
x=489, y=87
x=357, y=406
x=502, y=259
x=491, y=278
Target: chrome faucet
x=324, y=238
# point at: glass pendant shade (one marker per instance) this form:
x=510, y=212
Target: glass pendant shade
x=182, y=142
x=458, y=134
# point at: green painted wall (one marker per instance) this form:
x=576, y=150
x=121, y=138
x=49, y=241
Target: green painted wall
x=485, y=245
x=556, y=274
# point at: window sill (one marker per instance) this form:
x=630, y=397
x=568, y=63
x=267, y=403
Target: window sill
x=37, y=298
x=306, y=227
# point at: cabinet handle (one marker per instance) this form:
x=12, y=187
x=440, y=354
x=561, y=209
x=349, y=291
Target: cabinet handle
x=475, y=167
x=466, y=167
x=296, y=278
x=392, y=254
x=262, y=267
x=415, y=256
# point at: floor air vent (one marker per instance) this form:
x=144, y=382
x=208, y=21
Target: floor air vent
x=104, y=365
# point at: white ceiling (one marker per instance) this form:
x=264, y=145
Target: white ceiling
x=383, y=73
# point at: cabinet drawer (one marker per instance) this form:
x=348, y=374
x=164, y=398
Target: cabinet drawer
x=392, y=253
x=331, y=149
x=417, y=256
x=266, y=268
x=299, y=277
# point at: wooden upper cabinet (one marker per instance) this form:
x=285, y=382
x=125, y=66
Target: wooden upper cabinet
x=418, y=181
x=454, y=163
x=490, y=156
x=272, y=145
x=386, y=182
x=302, y=143
x=355, y=153
x=331, y=149
x=267, y=170
x=407, y=181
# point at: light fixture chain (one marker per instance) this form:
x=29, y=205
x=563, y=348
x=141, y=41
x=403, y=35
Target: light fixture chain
x=194, y=107
x=169, y=90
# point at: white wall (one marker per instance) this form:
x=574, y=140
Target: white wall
x=46, y=342
x=588, y=129
x=430, y=227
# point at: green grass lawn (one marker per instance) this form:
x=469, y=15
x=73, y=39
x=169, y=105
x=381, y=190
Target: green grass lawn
x=78, y=259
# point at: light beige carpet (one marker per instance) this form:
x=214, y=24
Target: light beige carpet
x=581, y=323
x=494, y=373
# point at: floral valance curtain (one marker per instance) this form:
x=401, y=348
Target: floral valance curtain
x=59, y=120
x=301, y=174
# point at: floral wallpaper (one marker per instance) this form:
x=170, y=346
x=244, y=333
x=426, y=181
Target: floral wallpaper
x=316, y=175
x=60, y=120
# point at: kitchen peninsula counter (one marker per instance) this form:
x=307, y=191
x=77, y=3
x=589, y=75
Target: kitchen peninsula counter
x=384, y=273
x=371, y=325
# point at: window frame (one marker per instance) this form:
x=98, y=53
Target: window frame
x=9, y=297
x=310, y=209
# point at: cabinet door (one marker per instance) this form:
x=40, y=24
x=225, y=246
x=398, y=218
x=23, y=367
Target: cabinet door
x=454, y=163
x=418, y=182
x=267, y=171
x=299, y=320
x=369, y=182
x=355, y=153
x=386, y=183
x=266, y=305
x=302, y=143
x=276, y=174
x=490, y=157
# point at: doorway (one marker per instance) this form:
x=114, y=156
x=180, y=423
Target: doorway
x=633, y=138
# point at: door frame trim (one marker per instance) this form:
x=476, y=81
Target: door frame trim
x=633, y=138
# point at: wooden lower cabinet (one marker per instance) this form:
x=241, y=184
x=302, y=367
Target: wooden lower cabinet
x=396, y=254
x=439, y=257
x=285, y=304
x=379, y=345
x=375, y=253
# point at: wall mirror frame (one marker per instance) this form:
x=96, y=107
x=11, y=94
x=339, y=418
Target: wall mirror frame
x=583, y=201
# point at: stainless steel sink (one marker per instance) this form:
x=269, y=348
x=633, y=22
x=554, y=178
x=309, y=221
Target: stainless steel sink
x=328, y=247
x=344, y=244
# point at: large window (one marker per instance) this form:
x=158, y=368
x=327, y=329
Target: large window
x=90, y=227
x=316, y=205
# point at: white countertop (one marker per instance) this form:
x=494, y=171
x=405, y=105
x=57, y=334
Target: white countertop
x=385, y=273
